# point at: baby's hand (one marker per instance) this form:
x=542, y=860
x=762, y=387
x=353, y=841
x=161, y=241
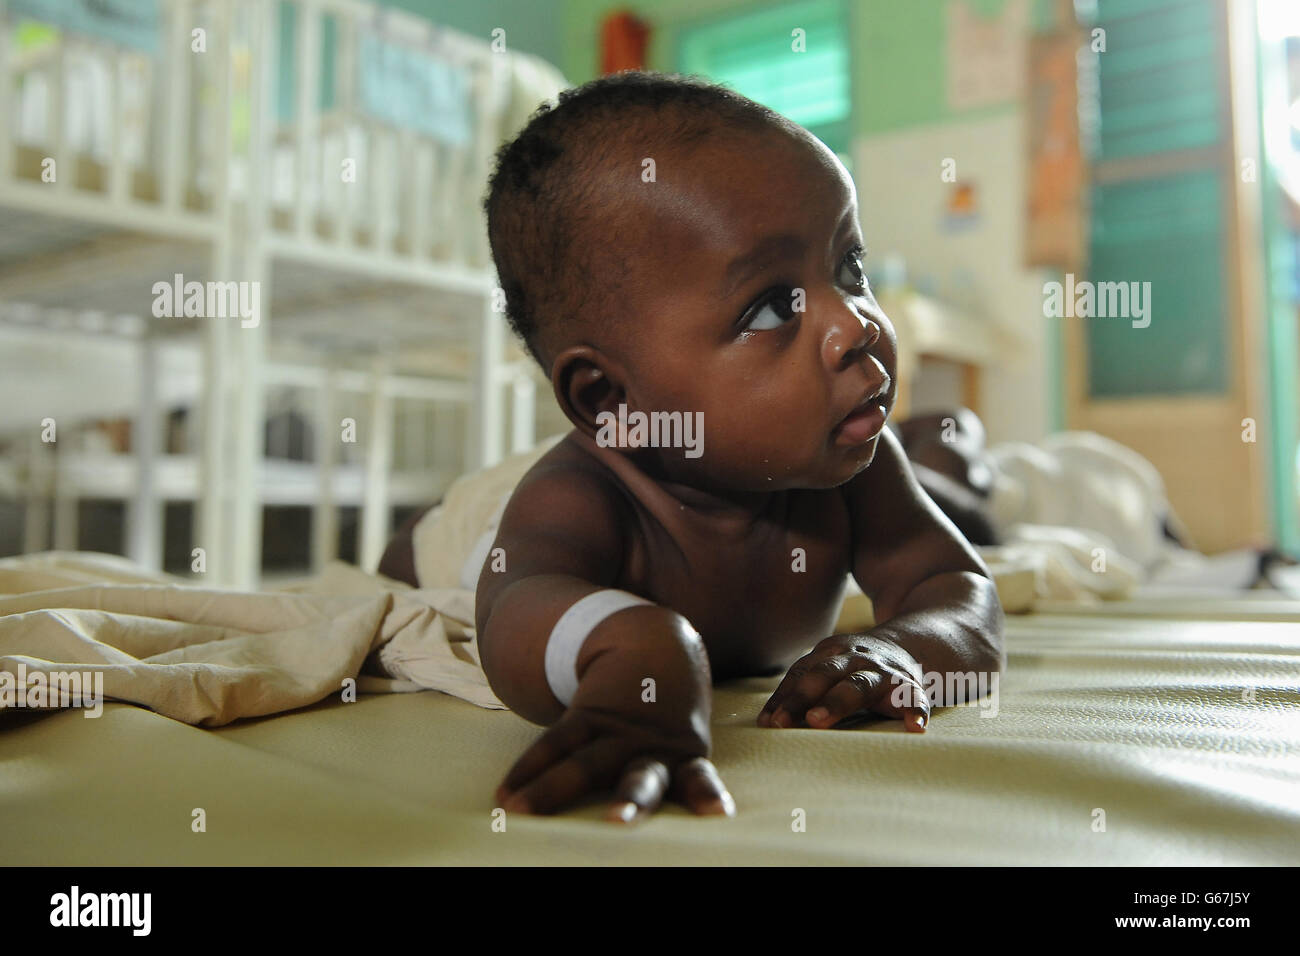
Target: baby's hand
x=588, y=751
x=611, y=737
x=846, y=675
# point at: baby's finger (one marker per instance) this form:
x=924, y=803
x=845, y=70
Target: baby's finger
x=587, y=770
x=856, y=693
x=805, y=683
x=697, y=784
x=559, y=740
x=908, y=701
x=640, y=791
x=792, y=676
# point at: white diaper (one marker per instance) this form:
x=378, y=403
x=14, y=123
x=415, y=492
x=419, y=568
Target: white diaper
x=473, y=565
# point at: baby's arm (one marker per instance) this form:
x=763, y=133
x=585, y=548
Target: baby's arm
x=935, y=604
x=398, y=561
x=562, y=537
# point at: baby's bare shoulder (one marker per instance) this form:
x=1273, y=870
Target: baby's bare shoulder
x=567, y=483
x=567, y=502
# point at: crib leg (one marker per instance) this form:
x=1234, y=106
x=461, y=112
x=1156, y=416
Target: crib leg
x=36, y=520
x=210, y=517
x=325, y=516
x=486, y=412
x=245, y=254
x=66, y=518
x=248, y=435
x=144, y=526
x=375, y=517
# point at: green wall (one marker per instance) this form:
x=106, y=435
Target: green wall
x=899, y=77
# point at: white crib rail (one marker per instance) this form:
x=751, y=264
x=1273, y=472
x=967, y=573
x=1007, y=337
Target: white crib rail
x=111, y=198
x=415, y=218
x=412, y=196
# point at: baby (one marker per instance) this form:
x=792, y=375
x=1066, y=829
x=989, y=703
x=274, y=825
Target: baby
x=668, y=246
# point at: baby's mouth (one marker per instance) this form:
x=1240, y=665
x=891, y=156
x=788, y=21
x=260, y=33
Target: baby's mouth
x=864, y=422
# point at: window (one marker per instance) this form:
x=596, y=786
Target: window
x=755, y=54
x=1157, y=195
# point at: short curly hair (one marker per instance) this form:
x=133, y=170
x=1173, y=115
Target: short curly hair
x=544, y=218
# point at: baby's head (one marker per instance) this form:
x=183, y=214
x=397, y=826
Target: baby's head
x=669, y=245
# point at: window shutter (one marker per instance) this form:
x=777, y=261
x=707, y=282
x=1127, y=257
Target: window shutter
x=1157, y=198
x=753, y=54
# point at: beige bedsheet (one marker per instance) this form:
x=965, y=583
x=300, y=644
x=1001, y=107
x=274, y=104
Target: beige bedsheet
x=1184, y=734
x=208, y=656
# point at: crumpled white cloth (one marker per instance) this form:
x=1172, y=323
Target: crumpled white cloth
x=1087, y=482
x=208, y=656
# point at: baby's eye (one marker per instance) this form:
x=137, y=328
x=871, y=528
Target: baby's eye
x=853, y=266
x=775, y=311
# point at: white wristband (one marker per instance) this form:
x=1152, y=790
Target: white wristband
x=571, y=632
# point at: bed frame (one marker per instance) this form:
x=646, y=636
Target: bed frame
x=367, y=288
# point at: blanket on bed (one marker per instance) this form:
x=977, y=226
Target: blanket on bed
x=207, y=656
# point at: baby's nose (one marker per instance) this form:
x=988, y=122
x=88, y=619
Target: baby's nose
x=848, y=338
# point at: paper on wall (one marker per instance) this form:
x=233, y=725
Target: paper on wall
x=986, y=55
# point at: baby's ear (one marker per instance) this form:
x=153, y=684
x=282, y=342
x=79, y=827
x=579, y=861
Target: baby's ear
x=587, y=383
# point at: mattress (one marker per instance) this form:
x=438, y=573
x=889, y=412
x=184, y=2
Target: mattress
x=1117, y=739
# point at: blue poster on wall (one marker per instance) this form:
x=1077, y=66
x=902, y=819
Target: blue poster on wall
x=130, y=23
x=414, y=89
